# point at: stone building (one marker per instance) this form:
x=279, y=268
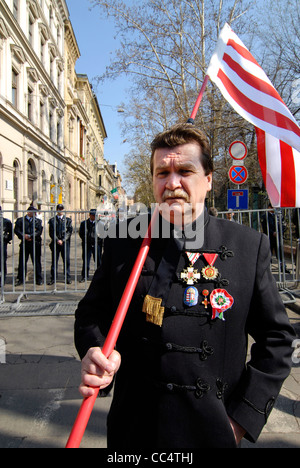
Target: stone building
x=51, y=129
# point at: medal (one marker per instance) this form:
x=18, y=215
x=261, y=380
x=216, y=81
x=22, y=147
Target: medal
x=205, y=302
x=190, y=275
x=210, y=272
x=220, y=301
x=190, y=297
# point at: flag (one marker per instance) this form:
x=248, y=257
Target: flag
x=247, y=88
x=280, y=167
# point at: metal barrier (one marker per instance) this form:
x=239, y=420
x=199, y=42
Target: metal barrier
x=47, y=254
x=281, y=225
x=41, y=265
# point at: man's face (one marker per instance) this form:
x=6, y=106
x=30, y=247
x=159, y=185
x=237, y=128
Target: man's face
x=178, y=179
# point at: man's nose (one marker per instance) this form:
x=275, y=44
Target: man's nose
x=173, y=181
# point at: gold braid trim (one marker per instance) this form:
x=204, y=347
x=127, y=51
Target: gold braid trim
x=153, y=310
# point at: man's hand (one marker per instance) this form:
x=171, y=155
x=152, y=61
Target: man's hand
x=97, y=371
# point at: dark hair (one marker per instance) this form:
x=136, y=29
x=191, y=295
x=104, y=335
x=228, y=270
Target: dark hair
x=180, y=134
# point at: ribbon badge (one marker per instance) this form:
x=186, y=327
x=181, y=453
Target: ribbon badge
x=190, y=275
x=220, y=301
x=210, y=272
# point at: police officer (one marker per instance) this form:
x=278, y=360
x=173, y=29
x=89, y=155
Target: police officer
x=60, y=231
x=91, y=244
x=29, y=230
x=6, y=235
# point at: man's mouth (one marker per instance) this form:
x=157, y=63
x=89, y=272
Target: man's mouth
x=177, y=195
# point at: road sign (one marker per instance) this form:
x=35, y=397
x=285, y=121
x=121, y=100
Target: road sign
x=238, y=150
x=237, y=199
x=238, y=174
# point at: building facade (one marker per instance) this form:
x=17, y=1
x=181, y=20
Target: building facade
x=51, y=129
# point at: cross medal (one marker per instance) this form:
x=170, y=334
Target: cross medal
x=190, y=275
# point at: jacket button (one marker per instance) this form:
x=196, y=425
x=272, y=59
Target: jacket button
x=170, y=387
x=169, y=346
x=173, y=309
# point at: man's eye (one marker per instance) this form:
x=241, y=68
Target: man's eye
x=185, y=171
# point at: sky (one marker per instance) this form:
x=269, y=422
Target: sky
x=96, y=42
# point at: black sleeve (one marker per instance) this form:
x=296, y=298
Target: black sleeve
x=94, y=314
x=270, y=362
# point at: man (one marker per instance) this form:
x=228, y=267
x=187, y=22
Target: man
x=230, y=215
x=60, y=231
x=91, y=244
x=29, y=230
x=5, y=238
x=183, y=381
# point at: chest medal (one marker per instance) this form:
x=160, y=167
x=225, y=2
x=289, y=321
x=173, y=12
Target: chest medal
x=210, y=272
x=190, y=297
x=189, y=275
x=220, y=301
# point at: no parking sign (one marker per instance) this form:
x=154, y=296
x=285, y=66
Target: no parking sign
x=238, y=174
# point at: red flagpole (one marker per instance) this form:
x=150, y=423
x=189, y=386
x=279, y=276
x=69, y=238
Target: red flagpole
x=199, y=99
x=111, y=339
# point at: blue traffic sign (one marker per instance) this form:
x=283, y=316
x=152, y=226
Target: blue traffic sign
x=238, y=174
x=237, y=199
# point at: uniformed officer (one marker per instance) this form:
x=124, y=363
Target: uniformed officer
x=91, y=244
x=184, y=380
x=5, y=238
x=29, y=230
x=60, y=231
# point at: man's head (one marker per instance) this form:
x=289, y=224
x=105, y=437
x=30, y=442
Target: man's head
x=182, y=168
x=31, y=210
x=59, y=209
x=92, y=214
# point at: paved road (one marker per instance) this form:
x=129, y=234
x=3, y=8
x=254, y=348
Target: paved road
x=39, y=400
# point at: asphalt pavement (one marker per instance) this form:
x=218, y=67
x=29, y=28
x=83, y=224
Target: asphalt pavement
x=40, y=374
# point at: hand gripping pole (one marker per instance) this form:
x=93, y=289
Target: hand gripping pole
x=111, y=339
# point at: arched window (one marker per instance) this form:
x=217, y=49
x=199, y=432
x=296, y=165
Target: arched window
x=31, y=180
x=16, y=189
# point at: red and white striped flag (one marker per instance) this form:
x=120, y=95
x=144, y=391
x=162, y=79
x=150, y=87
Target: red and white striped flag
x=280, y=167
x=247, y=88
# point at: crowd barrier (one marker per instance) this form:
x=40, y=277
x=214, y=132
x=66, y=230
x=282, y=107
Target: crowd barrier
x=44, y=268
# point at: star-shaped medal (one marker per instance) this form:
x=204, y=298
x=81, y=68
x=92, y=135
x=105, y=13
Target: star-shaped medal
x=190, y=275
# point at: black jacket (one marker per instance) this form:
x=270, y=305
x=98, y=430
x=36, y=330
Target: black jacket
x=87, y=232
x=60, y=229
x=178, y=383
x=24, y=226
x=7, y=230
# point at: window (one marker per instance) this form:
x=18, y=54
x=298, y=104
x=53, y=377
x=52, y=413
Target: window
x=15, y=82
x=51, y=125
x=81, y=142
x=58, y=131
x=42, y=45
x=42, y=115
x=30, y=30
x=16, y=9
x=30, y=104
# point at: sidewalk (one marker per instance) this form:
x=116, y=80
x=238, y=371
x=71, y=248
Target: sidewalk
x=39, y=400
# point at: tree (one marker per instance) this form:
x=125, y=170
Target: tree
x=165, y=49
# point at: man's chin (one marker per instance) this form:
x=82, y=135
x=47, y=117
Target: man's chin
x=176, y=212
x=179, y=212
